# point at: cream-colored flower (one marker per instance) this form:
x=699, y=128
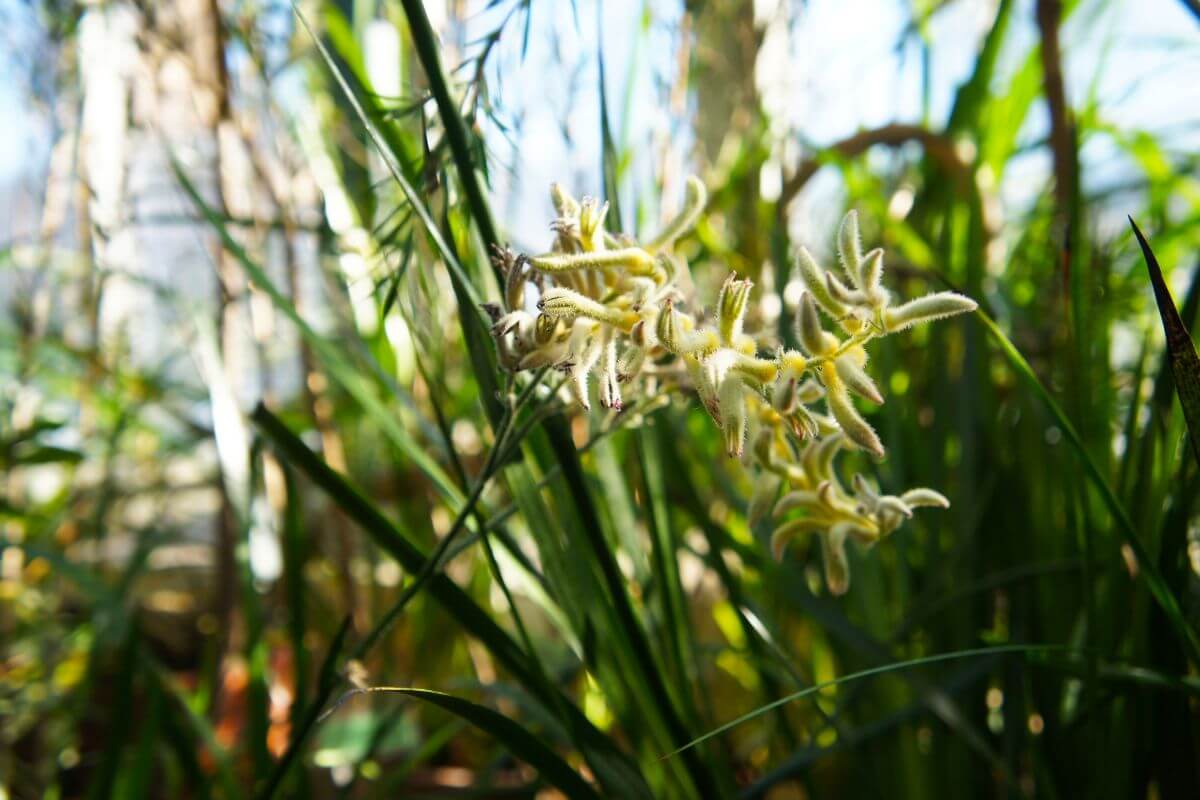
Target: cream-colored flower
x=609, y=306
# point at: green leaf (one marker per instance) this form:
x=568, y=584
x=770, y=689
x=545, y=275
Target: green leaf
x=1181, y=352
x=599, y=749
x=427, y=46
x=46, y=454
x=512, y=736
x=338, y=363
x=1147, y=567
x=866, y=673
x=478, y=342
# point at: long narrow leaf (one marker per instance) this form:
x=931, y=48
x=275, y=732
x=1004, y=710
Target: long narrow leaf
x=1181, y=352
x=426, y=43
x=512, y=736
x=866, y=673
x=337, y=364
x=1146, y=565
x=474, y=620
x=465, y=292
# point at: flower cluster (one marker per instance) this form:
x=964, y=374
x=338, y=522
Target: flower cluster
x=609, y=307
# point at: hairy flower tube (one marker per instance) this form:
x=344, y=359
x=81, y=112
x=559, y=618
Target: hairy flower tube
x=610, y=308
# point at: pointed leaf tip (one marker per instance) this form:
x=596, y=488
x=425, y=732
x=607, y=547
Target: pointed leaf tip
x=1181, y=351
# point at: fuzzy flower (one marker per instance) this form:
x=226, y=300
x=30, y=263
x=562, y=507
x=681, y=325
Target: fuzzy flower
x=611, y=308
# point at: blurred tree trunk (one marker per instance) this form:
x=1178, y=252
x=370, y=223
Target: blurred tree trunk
x=723, y=73
x=729, y=125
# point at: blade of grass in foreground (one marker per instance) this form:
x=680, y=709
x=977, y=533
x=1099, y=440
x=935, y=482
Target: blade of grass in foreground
x=473, y=618
x=1147, y=567
x=474, y=334
x=613, y=768
x=389, y=158
x=426, y=43
x=866, y=673
x=338, y=365
x=1185, y=364
x=513, y=737
x=635, y=638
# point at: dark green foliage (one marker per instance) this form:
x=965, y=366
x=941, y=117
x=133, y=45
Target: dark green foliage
x=479, y=580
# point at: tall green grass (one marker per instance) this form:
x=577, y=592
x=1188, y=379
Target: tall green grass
x=582, y=605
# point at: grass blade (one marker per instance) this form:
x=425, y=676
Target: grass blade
x=335, y=362
x=866, y=673
x=1185, y=364
x=1147, y=567
x=426, y=43
x=394, y=167
x=512, y=736
x=474, y=331
x=635, y=637
x=599, y=749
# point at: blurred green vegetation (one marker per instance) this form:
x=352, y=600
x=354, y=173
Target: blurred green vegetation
x=603, y=601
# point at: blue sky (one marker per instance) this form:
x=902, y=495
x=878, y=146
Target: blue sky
x=845, y=72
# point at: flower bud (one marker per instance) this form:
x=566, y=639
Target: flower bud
x=857, y=379
x=783, y=535
x=818, y=456
x=808, y=326
x=566, y=304
x=814, y=280
x=668, y=327
x=581, y=369
x=792, y=363
x=545, y=329
x=665, y=269
x=802, y=423
x=853, y=425
x=865, y=532
x=843, y=293
x=800, y=498
x=610, y=389
x=630, y=363
x=810, y=392
x=694, y=198
x=837, y=566
x=731, y=307
x=564, y=203
x=825, y=493
x=547, y=356
x=871, y=272
x=849, y=248
x=763, y=445
x=867, y=496
x=766, y=487
x=925, y=309
x=894, y=505
x=928, y=498
x=591, y=224
x=759, y=370
x=732, y=400
x=783, y=396
x=635, y=260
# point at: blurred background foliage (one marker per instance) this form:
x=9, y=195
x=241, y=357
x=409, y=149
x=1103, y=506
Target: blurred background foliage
x=246, y=387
